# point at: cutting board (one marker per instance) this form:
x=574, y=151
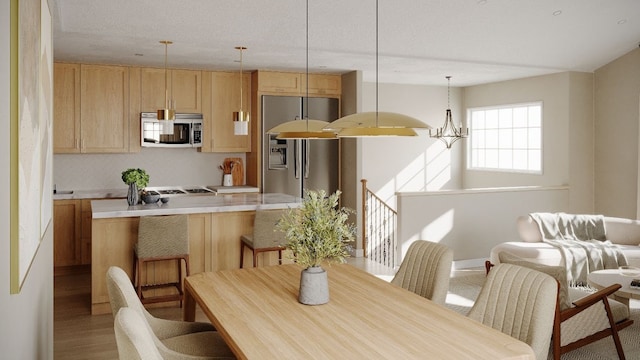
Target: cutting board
x=237, y=173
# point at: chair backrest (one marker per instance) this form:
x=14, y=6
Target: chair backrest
x=425, y=270
x=265, y=234
x=133, y=338
x=521, y=303
x=160, y=236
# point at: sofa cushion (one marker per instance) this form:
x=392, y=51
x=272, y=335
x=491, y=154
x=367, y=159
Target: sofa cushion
x=557, y=272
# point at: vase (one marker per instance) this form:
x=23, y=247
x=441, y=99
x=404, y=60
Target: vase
x=314, y=286
x=132, y=194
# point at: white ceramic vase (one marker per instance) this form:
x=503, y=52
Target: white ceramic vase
x=314, y=286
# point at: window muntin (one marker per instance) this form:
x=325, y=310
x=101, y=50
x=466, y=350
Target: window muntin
x=506, y=138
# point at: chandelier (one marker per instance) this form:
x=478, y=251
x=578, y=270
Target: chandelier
x=448, y=133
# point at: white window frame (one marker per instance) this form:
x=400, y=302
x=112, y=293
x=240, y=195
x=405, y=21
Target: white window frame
x=496, y=158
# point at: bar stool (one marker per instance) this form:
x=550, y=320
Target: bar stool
x=264, y=238
x=161, y=238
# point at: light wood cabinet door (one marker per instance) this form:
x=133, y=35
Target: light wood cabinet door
x=183, y=86
x=284, y=83
x=226, y=229
x=321, y=84
x=221, y=98
x=85, y=233
x=104, y=107
x=66, y=108
x=199, y=243
x=66, y=232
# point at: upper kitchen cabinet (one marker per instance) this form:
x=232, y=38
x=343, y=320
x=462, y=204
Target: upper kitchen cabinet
x=104, y=106
x=66, y=108
x=220, y=98
x=183, y=86
x=295, y=84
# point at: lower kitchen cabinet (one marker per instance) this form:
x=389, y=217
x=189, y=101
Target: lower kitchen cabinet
x=66, y=233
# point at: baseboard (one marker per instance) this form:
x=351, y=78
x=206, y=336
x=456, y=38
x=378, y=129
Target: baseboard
x=468, y=263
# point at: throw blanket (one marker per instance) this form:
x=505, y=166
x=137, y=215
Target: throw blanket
x=582, y=242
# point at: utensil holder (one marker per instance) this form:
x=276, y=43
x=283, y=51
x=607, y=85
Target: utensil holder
x=227, y=180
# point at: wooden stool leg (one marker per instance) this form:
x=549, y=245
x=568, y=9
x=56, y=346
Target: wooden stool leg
x=280, y=257
x=241, y=254
x=255, y=257
x=139, y=266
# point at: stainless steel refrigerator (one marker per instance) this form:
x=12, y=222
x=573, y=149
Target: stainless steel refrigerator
x=291, y=166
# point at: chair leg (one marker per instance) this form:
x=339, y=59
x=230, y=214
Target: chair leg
x=241, y=254
x=614, y=330
x=139, y=265
x=279, y=257
x=255, y=257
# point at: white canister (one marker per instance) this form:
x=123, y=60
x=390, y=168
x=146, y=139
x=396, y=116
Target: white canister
x=227, y=180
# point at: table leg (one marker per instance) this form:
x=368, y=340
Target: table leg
x=189, y=309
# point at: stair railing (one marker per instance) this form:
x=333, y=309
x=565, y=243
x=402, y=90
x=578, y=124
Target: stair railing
x=379, y=222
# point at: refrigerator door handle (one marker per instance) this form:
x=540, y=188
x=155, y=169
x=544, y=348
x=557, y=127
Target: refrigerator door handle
x=306, y=159
x=297, y=158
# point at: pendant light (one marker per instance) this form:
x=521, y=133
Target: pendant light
x=168, y=114
x=375, y=123
x=305, y=128
x=448, y=133
x=240, y=118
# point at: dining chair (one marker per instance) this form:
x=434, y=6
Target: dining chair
x=521, y=303
x=172, y=338
x=425, y=270
x=581, y=316
x=133, y=339
x=264, y=237
x=161, y=238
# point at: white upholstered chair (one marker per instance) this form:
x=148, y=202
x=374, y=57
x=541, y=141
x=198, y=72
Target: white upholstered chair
x=521, y=303
x=133, y=338
x=264, y=237
x=582, y=317
x=174, y=339
x=425, y=270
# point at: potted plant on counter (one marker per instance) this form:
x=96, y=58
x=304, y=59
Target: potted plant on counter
x=317, y=233
x=137, y=179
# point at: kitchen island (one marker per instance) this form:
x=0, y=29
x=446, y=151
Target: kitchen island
x=216, y=223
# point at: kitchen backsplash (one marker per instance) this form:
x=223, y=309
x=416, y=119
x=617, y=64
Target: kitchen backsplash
x=165, y=167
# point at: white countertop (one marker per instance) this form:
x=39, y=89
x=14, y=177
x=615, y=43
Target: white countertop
x=91, y=194
x=115, y=208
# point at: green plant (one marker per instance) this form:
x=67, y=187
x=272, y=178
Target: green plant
x=137, y=176
x=317, y=231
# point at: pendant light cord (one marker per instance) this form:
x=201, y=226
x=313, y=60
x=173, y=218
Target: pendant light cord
x=166, y=90
x=376, y=63
x=241, y=81
x=306, y=107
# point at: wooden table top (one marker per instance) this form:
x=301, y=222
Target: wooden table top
x=257, y=312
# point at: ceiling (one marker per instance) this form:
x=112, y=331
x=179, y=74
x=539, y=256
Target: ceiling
x=419, y=41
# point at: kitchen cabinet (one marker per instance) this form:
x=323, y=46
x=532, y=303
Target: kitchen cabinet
x=220, y=98
x=183, y=86
x=66, y=108
x=66, y=233
x=289, y=83
x=85, y=231
x=104, y=108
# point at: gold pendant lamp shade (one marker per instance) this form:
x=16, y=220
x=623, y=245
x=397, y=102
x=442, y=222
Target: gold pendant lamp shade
x=168, y=113
x=305, y=128
x=241, y=118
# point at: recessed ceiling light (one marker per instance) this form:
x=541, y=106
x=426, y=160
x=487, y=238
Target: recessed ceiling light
x=138, y=54
x=623, y=21
x=482, y=2
x=557, y=12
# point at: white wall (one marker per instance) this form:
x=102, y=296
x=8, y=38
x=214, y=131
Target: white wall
x=617, y=90
x=471, y=222
x=26, y=328
x=418, y=163
x=166, y=167
x=567, y=133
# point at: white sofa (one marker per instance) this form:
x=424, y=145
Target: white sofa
x=624, y=232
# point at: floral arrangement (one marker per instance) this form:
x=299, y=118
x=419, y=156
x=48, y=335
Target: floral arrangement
x=317, y=231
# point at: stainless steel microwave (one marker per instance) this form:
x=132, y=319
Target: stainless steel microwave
x=187, y=131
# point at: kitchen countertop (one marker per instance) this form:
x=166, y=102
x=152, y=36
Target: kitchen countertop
x=115, y=208
x=90, y=194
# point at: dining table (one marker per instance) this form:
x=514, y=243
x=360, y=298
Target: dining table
x=257, y=313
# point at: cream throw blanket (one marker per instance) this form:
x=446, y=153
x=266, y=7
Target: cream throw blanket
x=582, y=242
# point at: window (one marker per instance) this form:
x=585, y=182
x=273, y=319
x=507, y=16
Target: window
x=506, y=138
